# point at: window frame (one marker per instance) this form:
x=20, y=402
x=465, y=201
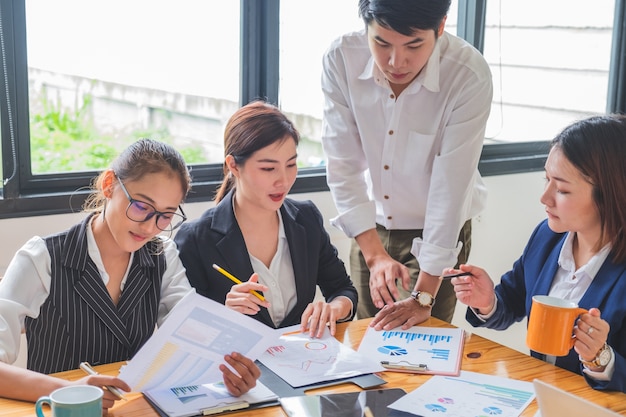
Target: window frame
x=25, y=194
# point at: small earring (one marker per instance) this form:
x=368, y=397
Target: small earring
x=104, y=210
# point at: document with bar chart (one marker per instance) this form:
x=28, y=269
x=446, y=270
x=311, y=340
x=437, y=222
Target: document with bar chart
x=429, y=350
x=190, y=345
x=469, y=394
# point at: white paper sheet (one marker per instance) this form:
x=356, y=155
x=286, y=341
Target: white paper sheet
x=190, y=345
x=438, y=348
x=469, y=394
x=301, y=360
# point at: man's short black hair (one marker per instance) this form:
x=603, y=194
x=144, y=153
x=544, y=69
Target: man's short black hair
x=404, y=16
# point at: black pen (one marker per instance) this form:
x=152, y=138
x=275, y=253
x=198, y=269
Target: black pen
x=460, y=274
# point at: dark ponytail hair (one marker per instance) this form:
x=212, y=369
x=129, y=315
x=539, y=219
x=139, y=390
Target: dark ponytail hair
x=145, y=156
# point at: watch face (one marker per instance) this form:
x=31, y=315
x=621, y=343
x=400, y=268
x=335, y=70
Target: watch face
x=424, y=298
x=604, y=357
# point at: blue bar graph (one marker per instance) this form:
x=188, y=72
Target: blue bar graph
x=442, y=354
x=410, y=337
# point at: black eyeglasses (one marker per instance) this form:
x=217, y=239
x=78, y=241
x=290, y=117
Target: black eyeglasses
x=140, y=211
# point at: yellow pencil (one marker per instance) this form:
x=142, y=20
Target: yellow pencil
x=367, y=412
x=235, y=280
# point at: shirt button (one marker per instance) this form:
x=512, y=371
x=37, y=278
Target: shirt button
x=391, y=96
x=388, y=217
x=386, y=197
x=391, y=132
x=386, y=167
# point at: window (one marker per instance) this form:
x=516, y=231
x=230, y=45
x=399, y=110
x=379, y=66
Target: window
x=549, y=67
x=177, y=70
x=142, y=68
x=300, y=94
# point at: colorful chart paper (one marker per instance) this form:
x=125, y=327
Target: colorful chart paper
x=439, y=349
x=469, y=394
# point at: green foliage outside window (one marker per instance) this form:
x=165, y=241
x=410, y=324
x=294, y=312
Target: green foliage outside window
x=65, y=140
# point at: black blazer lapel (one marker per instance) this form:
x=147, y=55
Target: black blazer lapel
x=233, y=255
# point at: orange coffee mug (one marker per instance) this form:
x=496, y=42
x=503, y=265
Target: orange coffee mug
x=551, y=325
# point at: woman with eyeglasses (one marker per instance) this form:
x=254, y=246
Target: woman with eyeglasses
x=96, y=292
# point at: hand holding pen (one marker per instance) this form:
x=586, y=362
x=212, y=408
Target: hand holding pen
x=473, y=287
x=86, y=367
x=244, y=297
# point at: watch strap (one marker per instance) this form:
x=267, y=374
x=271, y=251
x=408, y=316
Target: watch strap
x=596, y=362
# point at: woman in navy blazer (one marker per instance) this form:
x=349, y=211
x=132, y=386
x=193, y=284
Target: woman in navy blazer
x=256, y=232
x=578, y=253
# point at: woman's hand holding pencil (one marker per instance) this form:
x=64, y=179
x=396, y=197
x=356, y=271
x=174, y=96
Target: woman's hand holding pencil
x=244, y=297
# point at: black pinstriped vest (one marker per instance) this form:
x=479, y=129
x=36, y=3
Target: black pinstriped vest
x=78, y=321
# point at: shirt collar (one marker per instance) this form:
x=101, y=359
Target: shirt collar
x=428, y=77
x=591, y=268
x=94, y=254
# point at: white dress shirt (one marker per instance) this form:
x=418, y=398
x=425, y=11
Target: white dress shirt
x=279, y=278
x=407, y=162
x=26, y=286
x=571, y=284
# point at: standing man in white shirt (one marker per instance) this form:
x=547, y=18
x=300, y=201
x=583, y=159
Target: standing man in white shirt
x=406, y=106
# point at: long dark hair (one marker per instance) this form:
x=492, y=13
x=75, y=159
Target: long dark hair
x=596, y=146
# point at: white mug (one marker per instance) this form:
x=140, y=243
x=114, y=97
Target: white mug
x=73, y=401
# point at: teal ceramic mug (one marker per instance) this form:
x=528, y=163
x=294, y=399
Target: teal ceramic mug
x=73, y=401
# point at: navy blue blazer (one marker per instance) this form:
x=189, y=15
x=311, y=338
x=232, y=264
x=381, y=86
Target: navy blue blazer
x=216, y=238
x=533, y=273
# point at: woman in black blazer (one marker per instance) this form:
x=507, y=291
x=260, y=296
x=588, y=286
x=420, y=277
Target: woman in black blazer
x=255, y=232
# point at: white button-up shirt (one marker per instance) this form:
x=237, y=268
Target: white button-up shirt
x=407, y=162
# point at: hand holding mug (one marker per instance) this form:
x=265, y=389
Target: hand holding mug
x=591, y=333
x=551, y=325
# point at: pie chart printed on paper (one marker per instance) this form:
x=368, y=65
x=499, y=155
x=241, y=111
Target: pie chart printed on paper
x=392, y=350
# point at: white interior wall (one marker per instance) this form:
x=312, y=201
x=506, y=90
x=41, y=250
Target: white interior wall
x=499, y=235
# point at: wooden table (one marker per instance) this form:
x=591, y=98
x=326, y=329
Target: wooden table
x=480, y=355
